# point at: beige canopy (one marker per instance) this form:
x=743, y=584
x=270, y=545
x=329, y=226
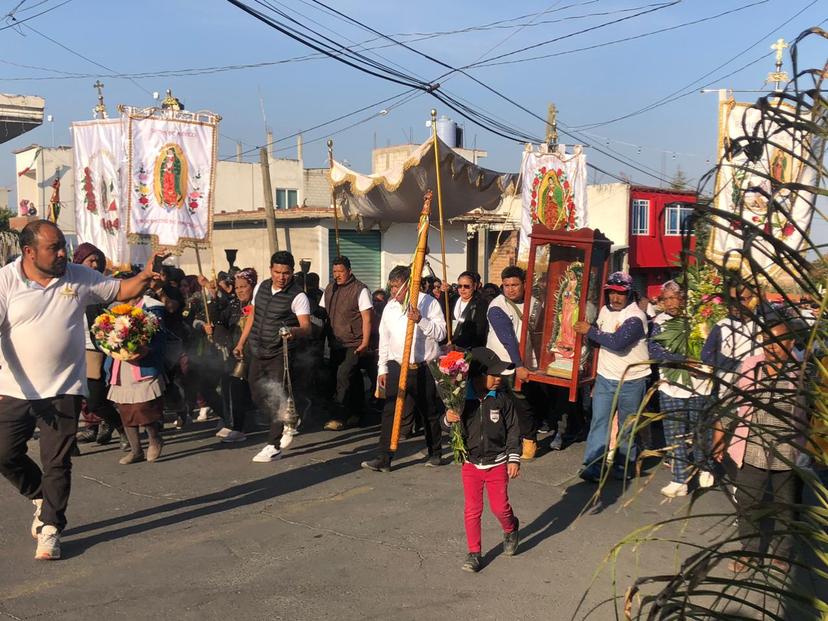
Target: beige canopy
x=396, y=195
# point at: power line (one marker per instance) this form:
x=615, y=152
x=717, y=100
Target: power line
x=671, y=97
x=17, y=22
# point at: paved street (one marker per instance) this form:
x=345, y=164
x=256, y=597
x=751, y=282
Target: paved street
x=206, y=534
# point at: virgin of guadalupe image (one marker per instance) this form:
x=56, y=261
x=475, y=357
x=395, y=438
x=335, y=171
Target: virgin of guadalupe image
x=170, y=177
x=562, y=343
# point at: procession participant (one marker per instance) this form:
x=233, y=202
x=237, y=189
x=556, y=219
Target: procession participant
x=277, y=303
x=235, y=390
x=470, y=327
x=421, y=391
x=96, y=403
x=492, y=437
x=137, y=387
x=43, y=387
x=349, y=309
x=765, y=446
x=682, y=403
x=505, y=315
x=621, y=332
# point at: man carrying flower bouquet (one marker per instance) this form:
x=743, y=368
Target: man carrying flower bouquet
x=43, y=298
x=421, y=393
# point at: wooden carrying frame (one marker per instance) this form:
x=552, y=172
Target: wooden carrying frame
x=593, y=248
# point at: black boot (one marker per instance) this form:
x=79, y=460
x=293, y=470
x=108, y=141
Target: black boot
x=511, y=540
x=381, y=463
x=104, y=433
x=472, y=563
x=87, y=434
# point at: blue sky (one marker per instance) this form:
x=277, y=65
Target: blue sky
x=588, y=86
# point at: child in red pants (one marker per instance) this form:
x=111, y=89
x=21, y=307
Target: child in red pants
x=490, y=430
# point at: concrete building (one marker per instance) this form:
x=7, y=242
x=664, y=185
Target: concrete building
x=19, y=114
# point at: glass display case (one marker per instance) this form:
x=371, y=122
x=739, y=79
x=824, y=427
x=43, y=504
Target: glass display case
x=564, y=280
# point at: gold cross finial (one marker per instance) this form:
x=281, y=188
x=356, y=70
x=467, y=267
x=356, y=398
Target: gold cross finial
x=100, y=109
x=780, y=46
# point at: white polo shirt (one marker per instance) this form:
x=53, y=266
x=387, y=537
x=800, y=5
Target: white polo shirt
x=42, y=330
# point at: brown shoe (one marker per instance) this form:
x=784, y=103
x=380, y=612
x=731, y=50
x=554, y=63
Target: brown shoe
x=131, y=458
x=530, y=447
x=154, y=450
x=334, y=425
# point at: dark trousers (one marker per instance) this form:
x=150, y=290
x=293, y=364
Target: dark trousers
x=420, y=397
x=529, y=403
x=99, y=405
x=267, y=387
x=201, y=380
x=236, y=402
x=349, y=397
x=755, y=489
x=57, y=420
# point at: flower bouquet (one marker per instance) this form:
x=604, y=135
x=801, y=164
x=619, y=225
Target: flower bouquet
x=451, y=373
x=686, y=334
x=124, y=331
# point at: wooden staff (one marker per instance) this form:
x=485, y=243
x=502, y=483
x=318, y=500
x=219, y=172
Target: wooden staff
x=203, y=289
x=440, y=215
x=414, y=294
x=333, y=197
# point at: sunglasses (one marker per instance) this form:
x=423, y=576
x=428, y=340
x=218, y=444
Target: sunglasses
x=464, y=286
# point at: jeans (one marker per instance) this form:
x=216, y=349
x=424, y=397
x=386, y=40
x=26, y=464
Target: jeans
x=496, y=482
x=629, y=400
x=683, y=421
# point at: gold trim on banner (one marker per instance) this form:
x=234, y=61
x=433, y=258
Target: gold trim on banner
x=166, y=115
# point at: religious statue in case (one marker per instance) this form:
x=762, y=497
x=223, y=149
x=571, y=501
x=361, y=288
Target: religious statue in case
x=564, y=277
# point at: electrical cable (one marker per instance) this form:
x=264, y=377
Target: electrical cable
x=17, y=22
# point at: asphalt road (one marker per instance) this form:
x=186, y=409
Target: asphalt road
x=205, y=534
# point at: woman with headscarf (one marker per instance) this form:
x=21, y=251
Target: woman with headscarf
x=235, y=390
x=102, y=416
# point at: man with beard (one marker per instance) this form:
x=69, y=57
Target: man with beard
x=43, y=376
x=621, y=332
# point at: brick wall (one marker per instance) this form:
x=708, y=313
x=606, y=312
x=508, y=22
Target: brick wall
x=503, y=256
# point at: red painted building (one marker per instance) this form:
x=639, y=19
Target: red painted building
x=658, y=218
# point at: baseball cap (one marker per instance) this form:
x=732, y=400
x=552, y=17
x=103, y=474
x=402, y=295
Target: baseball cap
x=489, y=363
x=619, y=281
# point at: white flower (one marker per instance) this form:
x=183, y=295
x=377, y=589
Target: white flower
x=113, y=340
x=122, y=323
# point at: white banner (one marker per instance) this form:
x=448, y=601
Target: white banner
x=171, y=177
x=553, y=193
x=744, y=188
x=100, y=208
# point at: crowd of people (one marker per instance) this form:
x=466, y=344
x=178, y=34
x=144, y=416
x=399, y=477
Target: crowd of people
x=244, y=347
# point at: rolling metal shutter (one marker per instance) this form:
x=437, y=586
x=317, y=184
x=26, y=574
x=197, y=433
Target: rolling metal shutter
x=363, y=249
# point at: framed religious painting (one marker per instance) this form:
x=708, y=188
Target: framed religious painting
x=565, y=275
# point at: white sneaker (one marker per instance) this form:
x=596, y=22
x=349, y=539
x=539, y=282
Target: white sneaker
x=706, y=479
x=36, y=523
x=267, y=454
x=234, y=436
x=48, y=544
x=223, y=432
x=203, y=413
x=674, y=489
x=287, y=440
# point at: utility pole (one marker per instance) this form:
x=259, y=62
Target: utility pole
x=270, y=216
x=552, y=127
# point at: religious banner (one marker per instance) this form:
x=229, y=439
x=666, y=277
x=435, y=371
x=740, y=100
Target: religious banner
x=100, y=207
x=753, y=185
x=553, y=193
x=171, y=176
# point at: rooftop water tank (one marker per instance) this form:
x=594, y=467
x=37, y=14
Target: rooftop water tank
x=447, y=131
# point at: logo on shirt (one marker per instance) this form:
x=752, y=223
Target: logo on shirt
x=494, y=416
x=69, y=292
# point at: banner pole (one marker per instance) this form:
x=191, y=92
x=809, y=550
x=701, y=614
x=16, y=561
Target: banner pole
x=413, y=298
x=203, y=291
x=440, y=214
x=333, y=197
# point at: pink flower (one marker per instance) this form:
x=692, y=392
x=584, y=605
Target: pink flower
x=193, y=205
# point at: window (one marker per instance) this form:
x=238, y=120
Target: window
x=285, y=199
x=677, y=218
x=640, y=217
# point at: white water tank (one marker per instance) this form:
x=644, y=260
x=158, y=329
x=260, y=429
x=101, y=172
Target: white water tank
x=447, y=131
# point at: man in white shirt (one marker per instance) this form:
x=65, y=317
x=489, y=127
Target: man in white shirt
x=43, y=374
x=421, y=391
x=621, y=332
x=277, y=303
